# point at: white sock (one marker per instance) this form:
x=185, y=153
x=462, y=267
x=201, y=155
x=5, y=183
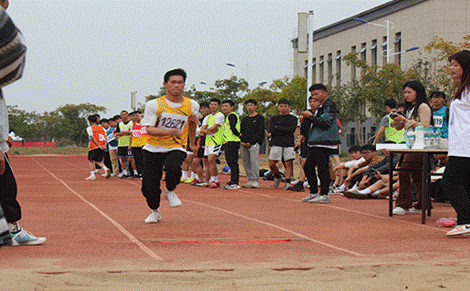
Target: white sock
x=216, y=179
x=342, y=187
x=185, y=175
x=136, y=173
x=124, y=172
x=196, y=176
x=376, y=193
x=92, y=173
x=365, y=191
x=105, y=169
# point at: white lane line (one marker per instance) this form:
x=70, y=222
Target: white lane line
x=113, y=222
x=278, y=227
x=349, y=210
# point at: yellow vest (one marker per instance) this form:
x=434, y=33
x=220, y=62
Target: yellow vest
x=168, y=118
x=228, y=134
x=391, y=134
x=218, y=136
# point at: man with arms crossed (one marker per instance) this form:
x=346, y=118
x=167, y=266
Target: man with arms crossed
x=170, y=120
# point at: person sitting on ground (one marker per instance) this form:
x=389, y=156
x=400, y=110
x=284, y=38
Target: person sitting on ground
x=355, y=173
x=341, y=170
x=378, y=190
x=373, y=172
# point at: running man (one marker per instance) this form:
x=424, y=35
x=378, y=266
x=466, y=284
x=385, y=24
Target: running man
x=170, y=120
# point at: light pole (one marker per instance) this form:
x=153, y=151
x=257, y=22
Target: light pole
x=247, y=68
x=133, y=100
x=388, y=25
x=310, y=54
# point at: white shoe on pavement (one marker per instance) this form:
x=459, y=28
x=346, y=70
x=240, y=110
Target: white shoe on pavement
x=255, y=184
x=310, y=197
x=91, y=177
x=154, y=217
x=172, y=198
x=399, y=211
x=23, y=237
x=321, y=199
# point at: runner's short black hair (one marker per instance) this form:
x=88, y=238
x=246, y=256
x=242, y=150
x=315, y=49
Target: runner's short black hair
x=392, y=103
x=204, y=104
x=438, y=94
x=175, y=72
x=253, y=101
x=317, y=87
x=215, y=100
x=93, y=118
x=104, y=120
x=232, y=104
x=283, y=101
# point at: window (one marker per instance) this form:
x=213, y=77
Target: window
x=338, y=68
x=363, y=52
x=373, y=52
x=384, y=49
x=351, y=137
x=353, y=68
x=397, y=43
x=314, y=70
x=322, y=70
x=330, y=69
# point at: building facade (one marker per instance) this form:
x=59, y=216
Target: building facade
x=414, y=24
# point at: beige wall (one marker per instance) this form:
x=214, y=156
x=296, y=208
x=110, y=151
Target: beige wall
x=449, y=19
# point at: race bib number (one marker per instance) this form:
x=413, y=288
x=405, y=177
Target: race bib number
x=136, y=133
x=101, y=137
x=173, y=121
x=438, y=121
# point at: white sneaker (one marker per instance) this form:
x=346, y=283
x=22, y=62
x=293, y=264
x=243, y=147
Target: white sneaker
x=399, y=211
x=255, y=184
x=321, y=199
x=459, y=229
x=414, y=210
x=277, y=182
x=24, y=237
x=306, y=184
x=91, y=177
x=310, y=197
x=231, y=186
x=172, y=198
x=248, y=185
x=97, y=171
x=154, y=217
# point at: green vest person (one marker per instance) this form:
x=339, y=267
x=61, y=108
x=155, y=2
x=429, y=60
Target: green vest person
x=231, y=128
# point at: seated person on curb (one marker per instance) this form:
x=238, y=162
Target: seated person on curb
x=382, y=167
x=377, y=190
x=355, y=173
x=341, y=170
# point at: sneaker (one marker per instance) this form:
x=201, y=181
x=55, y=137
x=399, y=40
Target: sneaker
x=202, y=184
x=287, y=186
x=125, y=176
x=172, y=198
x=323, y=199
x=248, y=185
x=306, y=185
x=299, y=187
x=232, y=186
x=91, y=178
x=24, y=237
x=189, y=180
x=277, y=182
x=120, y=175
x=97, y=171
x=355, y=194
x=182, y=180
x=214, y=185
x=154, y=217
x=194, y=182
x=255, y=184
x=459, y=230
x=414, y=210
x=399, y=211
x=310, y=197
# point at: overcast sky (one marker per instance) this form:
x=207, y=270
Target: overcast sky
x=101, y=51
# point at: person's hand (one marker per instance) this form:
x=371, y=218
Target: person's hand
x=297, y=144
x=243, y=144
x=193, y=148
x=248, y=145
x=174, y=132
x=9, y=142
x=306, y=114
x=102, y=147
x=129, y=147
x=2, y=163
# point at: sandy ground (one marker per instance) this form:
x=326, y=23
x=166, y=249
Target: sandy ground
x=377, y=277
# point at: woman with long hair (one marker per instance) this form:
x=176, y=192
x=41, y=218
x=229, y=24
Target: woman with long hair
x=456, y=180
x=418, y=112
